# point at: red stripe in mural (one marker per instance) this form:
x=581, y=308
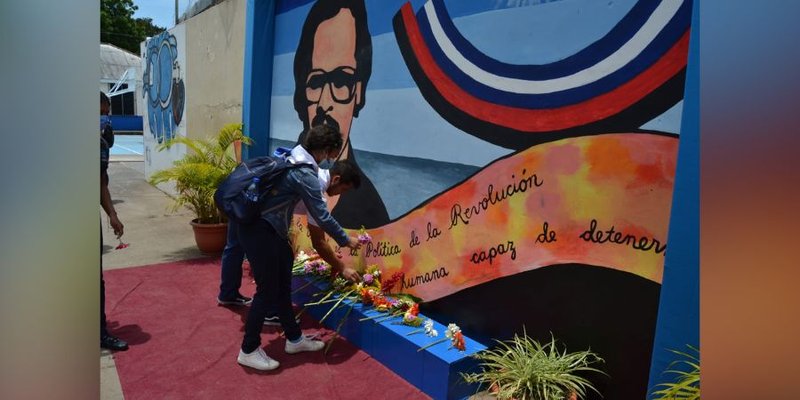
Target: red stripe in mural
x=546, y=120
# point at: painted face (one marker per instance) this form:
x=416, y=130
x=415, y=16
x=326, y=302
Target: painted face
x=332, y=88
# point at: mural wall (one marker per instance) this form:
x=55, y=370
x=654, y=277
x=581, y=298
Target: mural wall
x=206, y=49
x=518, y=157
x=214, y=49
x=164, y=96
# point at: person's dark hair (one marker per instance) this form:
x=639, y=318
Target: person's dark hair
x=348, y=173
x=104, y=99
x=322, y=137
x=323, y=10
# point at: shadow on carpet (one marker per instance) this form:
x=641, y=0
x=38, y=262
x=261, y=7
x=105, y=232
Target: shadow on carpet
x=184, y=345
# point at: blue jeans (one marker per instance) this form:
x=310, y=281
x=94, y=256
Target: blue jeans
x=271, y=261
x=232, y=259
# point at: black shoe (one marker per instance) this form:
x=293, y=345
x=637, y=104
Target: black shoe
x=274, y=320
x=239, y=300
x=112, y=343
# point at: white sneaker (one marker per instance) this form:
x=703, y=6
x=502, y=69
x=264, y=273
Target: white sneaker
x=258, y=359
x=306, y=343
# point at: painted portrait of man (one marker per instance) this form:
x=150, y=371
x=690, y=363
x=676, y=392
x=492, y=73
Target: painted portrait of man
x=332, y=66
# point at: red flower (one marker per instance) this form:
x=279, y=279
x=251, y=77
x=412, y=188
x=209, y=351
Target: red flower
x=414, y=310
x=458, y=341
x=381, y=303
x=366, y=296
x=388, y=285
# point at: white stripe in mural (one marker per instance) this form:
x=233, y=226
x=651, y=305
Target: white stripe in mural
x=627, y=52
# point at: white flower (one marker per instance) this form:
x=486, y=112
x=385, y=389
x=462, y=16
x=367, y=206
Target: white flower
x=429, y=328
x=302, y=256
x=428, y=324
x=452, y=329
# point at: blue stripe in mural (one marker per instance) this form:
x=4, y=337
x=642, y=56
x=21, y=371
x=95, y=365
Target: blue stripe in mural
x=389, y=70
x=587, y=57
x=674, y=29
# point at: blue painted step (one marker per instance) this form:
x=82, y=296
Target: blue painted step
x=435, y=370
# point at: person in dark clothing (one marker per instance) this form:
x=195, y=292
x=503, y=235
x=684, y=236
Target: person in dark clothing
x=107, y=341
x=340, y=178
x=266, y=244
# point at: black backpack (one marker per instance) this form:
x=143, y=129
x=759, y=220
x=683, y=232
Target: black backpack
x=232, y=197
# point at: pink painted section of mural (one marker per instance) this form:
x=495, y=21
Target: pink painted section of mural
x=598, y=200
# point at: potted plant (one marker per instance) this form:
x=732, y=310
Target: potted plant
x=522, y=368
x=196, y=177
x=687, y=384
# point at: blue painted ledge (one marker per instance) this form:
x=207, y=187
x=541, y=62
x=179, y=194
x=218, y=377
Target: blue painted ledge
x=435, y=370
x=127, y=123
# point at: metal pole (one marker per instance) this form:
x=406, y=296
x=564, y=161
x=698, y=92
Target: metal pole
x=176, y=12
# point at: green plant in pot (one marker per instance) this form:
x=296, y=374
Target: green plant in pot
x=687, y=383
x=196, y=177
x=522, y=368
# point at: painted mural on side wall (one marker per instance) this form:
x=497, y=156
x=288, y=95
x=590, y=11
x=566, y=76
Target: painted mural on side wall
x=164, y=90
x=519, y=157
x=164, y=98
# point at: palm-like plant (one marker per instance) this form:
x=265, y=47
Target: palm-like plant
x=201, y=170
x=522, y=368
x=687, y=384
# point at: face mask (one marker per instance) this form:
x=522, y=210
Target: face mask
x=326, y=163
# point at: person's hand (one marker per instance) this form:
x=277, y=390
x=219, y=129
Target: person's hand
x=353, y=243
x=119, y=229
x=350, y=274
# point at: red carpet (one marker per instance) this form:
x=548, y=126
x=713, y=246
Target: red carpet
x=184, y=346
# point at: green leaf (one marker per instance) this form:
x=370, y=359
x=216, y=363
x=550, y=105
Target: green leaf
x=198, y=174
x=523, y=368
x=686, y=382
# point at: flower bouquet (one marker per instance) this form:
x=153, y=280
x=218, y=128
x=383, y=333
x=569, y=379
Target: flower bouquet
x=310, y=265
x=378, y=294
x=373, y=290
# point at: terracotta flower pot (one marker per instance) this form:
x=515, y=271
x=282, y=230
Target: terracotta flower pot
x=493, y=389
x=572, y=396
x=210, y=238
